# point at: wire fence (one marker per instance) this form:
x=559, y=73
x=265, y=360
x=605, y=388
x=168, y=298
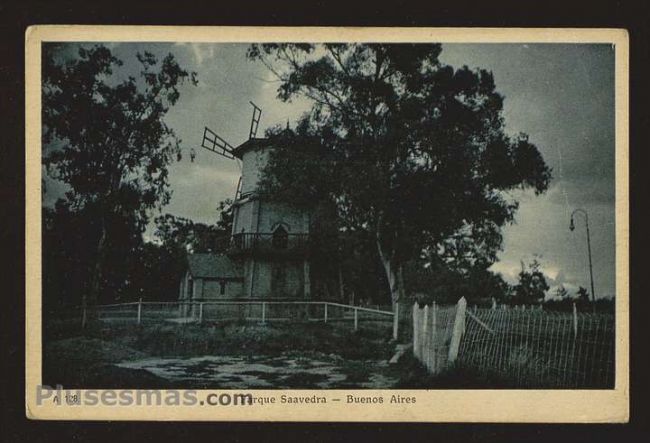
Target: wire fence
x=541, y=348
x=530, y=348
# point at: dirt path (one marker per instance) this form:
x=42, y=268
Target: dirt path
x=268, y=372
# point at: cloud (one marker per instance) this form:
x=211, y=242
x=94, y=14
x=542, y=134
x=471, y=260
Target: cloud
x=200, y=51
x=507, y=269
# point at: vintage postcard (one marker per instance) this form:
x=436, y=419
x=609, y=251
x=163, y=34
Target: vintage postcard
x=327, y=224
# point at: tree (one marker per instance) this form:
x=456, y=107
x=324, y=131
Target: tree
x=444, y=283
x=583, y=294
x=108, y=138
x=184, y=235
x=561, y=292
x=408, y=149
x=532, y=285
x=157, y=272
x=224, y=222
x=68, y=261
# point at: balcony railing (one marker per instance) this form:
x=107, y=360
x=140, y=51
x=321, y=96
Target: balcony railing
x=269, y=243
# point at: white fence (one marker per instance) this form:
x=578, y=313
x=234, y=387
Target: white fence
x=432, y=332
x=261, y=311
x=526, y=347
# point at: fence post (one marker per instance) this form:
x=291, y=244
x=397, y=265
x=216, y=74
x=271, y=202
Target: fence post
x=395, y=320
x=419, y=330
x=434, y=328
x=263, y=312
x=356, y=319
x=459, y=329
x=416, y=341
x=139, y=310
x=427, y=338
x=575, y=322
x=201, y=312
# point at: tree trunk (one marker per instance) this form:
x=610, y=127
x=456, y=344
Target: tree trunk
x=89, y=299
x=393, y=273
x=392, y=266
x=341, y=287
x=401, y=292
x=395, y=278
x=106, y=207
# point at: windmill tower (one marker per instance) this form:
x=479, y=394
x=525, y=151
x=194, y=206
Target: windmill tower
x=269, y=240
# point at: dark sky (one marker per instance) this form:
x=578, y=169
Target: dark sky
x=562, y=95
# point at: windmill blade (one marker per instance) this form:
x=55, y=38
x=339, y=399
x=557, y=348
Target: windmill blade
x=212, y=142
x=257, y=114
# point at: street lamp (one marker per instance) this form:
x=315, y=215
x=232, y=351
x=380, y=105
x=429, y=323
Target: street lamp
x=591, y=272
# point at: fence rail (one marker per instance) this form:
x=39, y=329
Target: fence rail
x=262, y=311
x=529, y=348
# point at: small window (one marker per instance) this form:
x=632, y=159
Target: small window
x=280, y=238
x=222, y=289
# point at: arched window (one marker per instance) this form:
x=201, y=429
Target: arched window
x=280, y=238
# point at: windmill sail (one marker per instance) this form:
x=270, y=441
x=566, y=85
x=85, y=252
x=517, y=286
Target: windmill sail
x=212, y=142
x=257, y=114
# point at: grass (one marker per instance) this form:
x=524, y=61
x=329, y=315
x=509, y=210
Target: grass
x=88, y=361
x=248, y=339
x=413, y=375
x=74, y=360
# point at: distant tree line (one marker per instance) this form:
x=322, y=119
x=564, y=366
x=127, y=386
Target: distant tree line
x=138, y=268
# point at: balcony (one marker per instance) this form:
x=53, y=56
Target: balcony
x=275, y=244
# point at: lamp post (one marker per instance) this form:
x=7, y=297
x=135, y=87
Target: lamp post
x=591, y=272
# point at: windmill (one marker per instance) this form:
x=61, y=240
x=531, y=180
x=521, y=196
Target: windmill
x=269, y=239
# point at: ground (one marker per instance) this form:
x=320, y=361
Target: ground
x=292, y=370
x=235, y=355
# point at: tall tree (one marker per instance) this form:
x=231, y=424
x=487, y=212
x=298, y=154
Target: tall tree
x=110, y=142
x=583, y=294
x=407, y=148
x=532, y=285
